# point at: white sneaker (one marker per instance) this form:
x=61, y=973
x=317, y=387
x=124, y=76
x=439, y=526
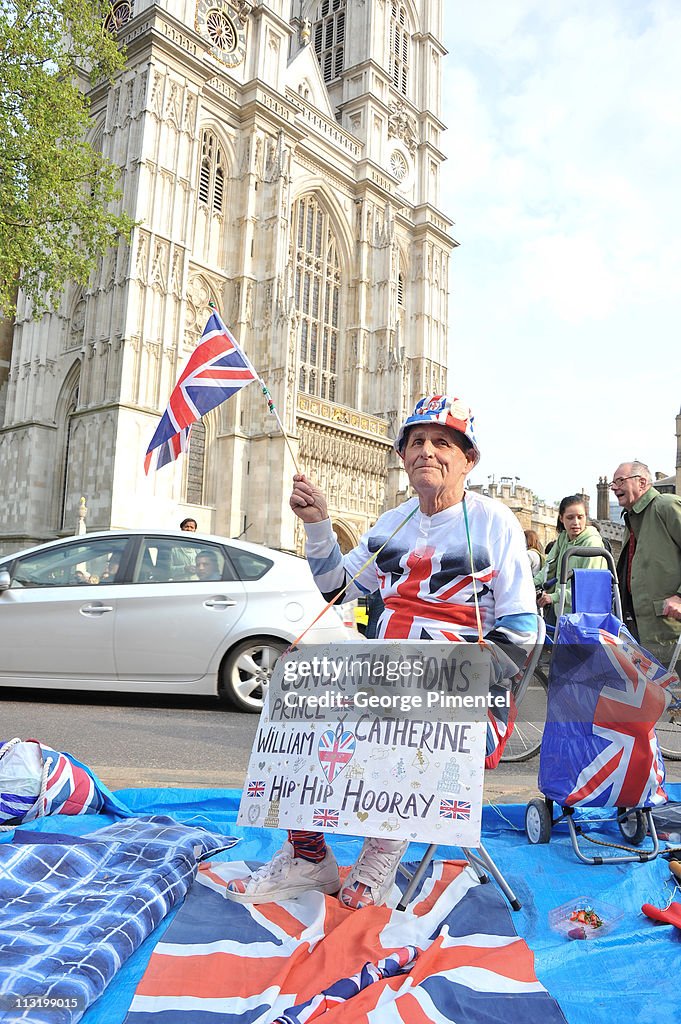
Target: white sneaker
x=372, y=877
x=285, y=877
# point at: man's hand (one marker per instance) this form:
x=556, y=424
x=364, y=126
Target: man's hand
x=307, y=501
x=672, y=607
x=544, y=600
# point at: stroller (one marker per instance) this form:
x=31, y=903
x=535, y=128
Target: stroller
x=605, y=695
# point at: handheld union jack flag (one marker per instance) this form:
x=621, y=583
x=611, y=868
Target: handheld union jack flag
x=216, y=370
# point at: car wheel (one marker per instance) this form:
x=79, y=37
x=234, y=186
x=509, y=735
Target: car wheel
x=246, y=672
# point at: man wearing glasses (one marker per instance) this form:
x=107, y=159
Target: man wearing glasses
x=649, y=567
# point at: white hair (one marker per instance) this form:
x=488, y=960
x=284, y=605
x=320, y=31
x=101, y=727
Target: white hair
x=640, y=469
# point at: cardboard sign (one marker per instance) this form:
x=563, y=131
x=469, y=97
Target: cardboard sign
x=373, y=739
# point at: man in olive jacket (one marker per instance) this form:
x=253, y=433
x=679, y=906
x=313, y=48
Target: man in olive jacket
x=649, y=567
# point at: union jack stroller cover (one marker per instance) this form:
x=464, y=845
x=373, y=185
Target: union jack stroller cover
x=605, y=695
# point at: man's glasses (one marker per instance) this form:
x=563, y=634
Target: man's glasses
x=619, y=480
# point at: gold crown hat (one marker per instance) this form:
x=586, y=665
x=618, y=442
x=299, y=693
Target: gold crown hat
x=447, y=412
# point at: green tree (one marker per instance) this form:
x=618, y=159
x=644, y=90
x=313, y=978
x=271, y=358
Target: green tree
x=59, y=199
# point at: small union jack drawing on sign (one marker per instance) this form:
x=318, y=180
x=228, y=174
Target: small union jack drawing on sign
x=324, y=819
x=459, y=810
x=255, y=789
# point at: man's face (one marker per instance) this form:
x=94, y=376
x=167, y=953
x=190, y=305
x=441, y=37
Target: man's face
x=206, y=568
x=626, y=487
x=435, y=458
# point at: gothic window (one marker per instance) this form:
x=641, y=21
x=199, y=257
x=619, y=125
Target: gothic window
x=329, y=37
x=211, y=173
x=317, y=298
x=71, y=407
x=399, y=47
x=196, y=461
x=400, y=290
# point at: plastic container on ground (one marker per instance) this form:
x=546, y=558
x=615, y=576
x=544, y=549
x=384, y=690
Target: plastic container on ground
x=568, y=919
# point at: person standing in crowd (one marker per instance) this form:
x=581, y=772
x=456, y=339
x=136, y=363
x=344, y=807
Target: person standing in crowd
x=649, y=566
x=574, y=530
x=534, y=551
x=435, y=556
x=190, y=525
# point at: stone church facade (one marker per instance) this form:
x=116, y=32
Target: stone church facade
x=282, y=161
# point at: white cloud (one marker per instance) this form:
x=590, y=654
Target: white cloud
x=564, y=153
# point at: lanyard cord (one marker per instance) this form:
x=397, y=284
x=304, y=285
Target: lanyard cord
x=359, y=572
x=481, y=638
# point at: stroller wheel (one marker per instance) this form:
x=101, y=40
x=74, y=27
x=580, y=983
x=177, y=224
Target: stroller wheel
x=632, y=825
x=538, y=822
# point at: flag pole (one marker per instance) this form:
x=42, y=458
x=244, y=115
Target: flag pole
x=272, y=409
x=268, y=398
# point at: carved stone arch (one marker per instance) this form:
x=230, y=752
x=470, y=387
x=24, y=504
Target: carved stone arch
x=200, y=293
x=199, y=484
x=346, y=535
x=213, y=172
x=66, y=406
x=412, y=14
x=96, y=138
x=228, y=147
x=328, y=199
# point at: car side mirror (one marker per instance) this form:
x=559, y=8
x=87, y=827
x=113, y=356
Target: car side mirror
x=5, y=580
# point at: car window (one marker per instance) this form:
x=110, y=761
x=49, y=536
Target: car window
x=248, y=565
x=166, y=560
x=80, y=563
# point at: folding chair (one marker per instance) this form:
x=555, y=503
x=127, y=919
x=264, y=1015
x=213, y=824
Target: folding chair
x=478, y=857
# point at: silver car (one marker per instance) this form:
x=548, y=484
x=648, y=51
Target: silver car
x=146, y=611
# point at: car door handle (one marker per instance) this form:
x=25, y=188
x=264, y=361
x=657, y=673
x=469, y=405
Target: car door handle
x=220, y=602
x=96, y=609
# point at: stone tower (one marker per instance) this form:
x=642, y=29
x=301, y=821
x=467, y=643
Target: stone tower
x=282, y=161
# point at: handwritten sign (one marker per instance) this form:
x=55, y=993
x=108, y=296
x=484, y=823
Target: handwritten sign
x=379, y=750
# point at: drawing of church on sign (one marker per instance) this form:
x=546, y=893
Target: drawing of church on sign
x=283, y=162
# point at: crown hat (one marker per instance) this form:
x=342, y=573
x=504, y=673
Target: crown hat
x=445, y=411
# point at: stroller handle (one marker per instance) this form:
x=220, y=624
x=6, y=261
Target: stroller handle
x=582, y=552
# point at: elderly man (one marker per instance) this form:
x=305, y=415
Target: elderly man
x=449, y=564
x=649, y=567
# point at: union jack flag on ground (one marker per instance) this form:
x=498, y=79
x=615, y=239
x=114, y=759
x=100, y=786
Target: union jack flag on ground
x=458, y=810
x=216, y=370
x=311, y=959
x=605, y=695
x=324, y=819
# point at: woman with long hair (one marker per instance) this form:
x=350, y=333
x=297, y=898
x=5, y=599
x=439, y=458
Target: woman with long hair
x=574, y=530
x=534, y=551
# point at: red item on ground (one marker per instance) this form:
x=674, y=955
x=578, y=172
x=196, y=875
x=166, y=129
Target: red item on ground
x=672, y=915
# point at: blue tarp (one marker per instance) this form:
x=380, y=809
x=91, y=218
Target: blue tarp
x=630, y=973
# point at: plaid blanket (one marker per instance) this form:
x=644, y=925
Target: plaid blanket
x=73, y=909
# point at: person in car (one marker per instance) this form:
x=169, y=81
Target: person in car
x=424, y=577
x=206, y=566
x=112, y=567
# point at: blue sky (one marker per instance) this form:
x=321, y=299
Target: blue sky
x=564, y=181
